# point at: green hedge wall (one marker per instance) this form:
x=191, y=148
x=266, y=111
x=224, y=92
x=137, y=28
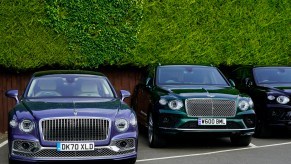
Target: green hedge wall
x=228, y=32
x=84, y=34
x=25, y=43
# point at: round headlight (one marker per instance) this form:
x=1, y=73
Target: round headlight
x=243, y=105
x=175, y=104
x=13, y=123
x=133, y=120
x=26, y=126
x=163, y=101
x=121, y=125
x=271, y=97
x=282, y=99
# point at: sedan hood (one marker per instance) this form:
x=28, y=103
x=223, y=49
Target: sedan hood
x=44, y=108
x=203, y=91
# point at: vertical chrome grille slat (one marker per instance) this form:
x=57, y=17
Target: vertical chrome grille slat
x=210, y=107
x=75, y=129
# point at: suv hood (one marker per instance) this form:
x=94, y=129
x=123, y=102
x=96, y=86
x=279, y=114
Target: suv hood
x=44, y=108
x=278, y=87
x=203, y=91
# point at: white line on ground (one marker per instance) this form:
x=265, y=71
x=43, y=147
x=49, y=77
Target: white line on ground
x=215, y=152
x=252, y=145
x=3, y=143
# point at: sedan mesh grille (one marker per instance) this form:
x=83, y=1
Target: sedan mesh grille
x=210, y=108
x=75, y=129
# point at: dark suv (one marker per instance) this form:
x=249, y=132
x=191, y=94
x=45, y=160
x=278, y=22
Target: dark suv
x=270, y=89
x=187, y=99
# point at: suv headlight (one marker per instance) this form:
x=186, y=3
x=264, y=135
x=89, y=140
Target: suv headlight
x=26, y=126
x=243, y=105
x=175, y=104
x=283, y=99
x=121, y=124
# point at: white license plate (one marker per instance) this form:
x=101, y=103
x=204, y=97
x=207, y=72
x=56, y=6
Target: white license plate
x=75, y=146
x=211, y=121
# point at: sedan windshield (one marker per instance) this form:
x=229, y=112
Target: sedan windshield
x=69, y=86
x=272, y=75
x=189, y=75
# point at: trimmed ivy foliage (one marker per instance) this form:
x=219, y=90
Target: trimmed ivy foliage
x=102, y=31
x=215, y=32
x=25, y=44
x=84, y=34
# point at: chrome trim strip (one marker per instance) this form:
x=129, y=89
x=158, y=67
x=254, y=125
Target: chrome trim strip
x=228, y=130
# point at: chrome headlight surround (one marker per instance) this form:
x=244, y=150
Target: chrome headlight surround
x=251, y=103
x=132, y=120
x=282, y=99
x=26, y=125
x=121, y=124
x=175, y=104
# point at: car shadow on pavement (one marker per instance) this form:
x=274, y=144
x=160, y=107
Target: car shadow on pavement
x=198, y=140
x=208, y=140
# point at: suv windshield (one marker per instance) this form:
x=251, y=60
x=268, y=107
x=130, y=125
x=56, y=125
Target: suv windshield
x=189, y=75
x=69, y=86
x=272, y=75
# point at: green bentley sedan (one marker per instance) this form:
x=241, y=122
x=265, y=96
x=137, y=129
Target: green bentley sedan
x=185, y=99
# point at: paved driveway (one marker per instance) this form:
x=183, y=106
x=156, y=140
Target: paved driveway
x=208, y=150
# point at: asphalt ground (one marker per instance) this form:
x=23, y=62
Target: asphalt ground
x=206, y=150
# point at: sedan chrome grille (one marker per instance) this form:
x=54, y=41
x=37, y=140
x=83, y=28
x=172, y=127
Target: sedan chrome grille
x=210, y=108
x=75, y=129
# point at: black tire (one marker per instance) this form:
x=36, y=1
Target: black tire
x=238, y=140
x=12, y=162
x=155, y=141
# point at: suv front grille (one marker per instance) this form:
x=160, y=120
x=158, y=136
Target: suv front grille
x=75, y=129
x=210, y=108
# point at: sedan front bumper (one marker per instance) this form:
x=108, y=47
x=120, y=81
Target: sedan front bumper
x=33, y=152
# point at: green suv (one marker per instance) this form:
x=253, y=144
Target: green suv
x=192, y=99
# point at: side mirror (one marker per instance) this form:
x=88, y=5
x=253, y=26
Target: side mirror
x=248, y=82
x=232, y=83
x=12, y=94
x=149, y=82
x=124, y=94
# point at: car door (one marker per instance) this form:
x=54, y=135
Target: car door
x=143, y=99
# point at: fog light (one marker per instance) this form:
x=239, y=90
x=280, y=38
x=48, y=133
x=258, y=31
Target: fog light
x=166, y=120
x=249, y=121
x=25, y=145
x=123, y=144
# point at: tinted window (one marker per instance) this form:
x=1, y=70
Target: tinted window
x=189, y=75
x=270, y=75
x=69, y=86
